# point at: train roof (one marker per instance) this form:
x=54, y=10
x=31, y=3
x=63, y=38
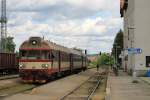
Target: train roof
x=55, y=46
x=49, y=45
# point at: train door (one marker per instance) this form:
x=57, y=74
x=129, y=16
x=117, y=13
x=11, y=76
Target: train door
x=52, y=59
x=59, y=60
x=71, y=62
x=82, y=61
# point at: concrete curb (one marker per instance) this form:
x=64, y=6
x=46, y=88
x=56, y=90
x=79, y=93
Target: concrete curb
x=107, y=97
x=108, y=89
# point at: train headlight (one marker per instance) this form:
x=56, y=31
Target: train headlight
x=21, y=66
x=45, y=66
x=34, y=42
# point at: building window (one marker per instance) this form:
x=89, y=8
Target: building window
x=147, y=61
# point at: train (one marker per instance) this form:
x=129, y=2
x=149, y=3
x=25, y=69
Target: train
x=42, y=59
x=9, y=63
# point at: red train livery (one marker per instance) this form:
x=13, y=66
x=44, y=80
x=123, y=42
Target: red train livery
x=41, y=59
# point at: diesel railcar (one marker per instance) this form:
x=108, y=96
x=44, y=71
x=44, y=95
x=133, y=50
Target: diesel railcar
x=8, y=63
x=41, y=59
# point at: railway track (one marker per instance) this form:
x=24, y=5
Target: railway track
x=86, y=90
x=17, y=87
x=8, y=77
x=4, y=77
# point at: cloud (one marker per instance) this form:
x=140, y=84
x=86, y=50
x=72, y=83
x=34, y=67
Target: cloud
x=86, y=24
x=63, y=9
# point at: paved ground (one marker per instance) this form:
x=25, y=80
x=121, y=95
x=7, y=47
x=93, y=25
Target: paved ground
x=54, y=90
x=121, y=88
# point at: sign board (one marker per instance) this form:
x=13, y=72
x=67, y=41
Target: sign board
x=134, y=50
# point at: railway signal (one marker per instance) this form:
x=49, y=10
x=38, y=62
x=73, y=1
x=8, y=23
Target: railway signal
x=100, y=53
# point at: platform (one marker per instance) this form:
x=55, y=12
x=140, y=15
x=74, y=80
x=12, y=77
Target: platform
x=122, y=88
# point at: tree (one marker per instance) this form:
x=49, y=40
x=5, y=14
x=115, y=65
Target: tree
x=118, y=45
x=10, y=45
x=105, y=59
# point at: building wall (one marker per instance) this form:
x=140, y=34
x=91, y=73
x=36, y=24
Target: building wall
x=125, y=41
x=142, y=32
x=128, y=32
x=137, y=34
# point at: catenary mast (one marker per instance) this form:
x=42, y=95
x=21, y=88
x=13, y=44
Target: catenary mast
x=3, y=22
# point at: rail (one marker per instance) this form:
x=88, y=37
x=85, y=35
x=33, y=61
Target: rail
x=88, y=95
x=75, y=89
x=94, y=89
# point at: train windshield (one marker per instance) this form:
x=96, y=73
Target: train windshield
x=34, y=54
x=45, y=55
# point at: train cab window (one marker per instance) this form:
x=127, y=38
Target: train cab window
x=45, y=55
x=34, y=54
x=23, y=54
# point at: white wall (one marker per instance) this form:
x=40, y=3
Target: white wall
x=128, y=31
x=142, y=31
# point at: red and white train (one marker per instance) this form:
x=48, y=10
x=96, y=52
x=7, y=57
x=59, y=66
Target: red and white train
x=41, y=59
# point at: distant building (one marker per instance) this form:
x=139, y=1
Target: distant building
x=136, y=34
x=92, y=57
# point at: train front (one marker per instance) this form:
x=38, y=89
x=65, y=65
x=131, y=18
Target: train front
x=35, y=60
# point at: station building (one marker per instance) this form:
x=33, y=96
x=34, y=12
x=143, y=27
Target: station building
x=136, y=16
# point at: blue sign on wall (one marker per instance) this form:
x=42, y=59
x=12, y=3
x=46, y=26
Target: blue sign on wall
x=134, y=50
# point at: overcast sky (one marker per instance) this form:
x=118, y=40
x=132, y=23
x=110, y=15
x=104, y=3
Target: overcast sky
x=85, y=24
